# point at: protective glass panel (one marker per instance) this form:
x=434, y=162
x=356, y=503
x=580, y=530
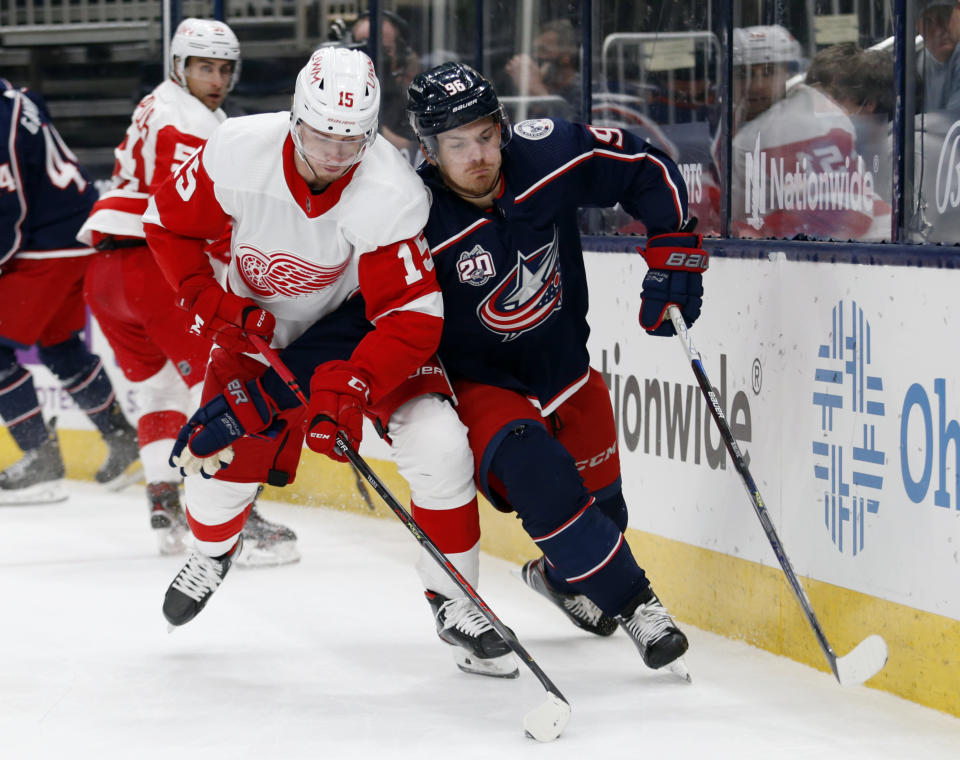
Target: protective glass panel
x=813, y=101
x=532, y=55
x=656, y=73
x=931, y=212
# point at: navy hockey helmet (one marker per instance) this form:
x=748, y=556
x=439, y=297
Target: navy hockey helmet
x=449, y=96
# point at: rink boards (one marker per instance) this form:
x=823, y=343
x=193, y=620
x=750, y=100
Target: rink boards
x=837, y=381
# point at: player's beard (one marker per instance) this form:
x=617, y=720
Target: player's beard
x=475, y=189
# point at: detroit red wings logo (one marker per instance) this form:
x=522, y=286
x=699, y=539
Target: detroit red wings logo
x=280, y=273
x=527, y=296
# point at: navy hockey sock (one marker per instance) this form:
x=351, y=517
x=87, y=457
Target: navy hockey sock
x=84, y=378
x=610, y=501
x=19, y=406
x=585, y=547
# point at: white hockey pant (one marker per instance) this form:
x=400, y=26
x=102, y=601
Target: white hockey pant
x=217, y=506
x=431, y=452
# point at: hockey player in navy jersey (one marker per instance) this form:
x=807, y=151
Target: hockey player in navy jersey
x=44, y=198
x=504, y=237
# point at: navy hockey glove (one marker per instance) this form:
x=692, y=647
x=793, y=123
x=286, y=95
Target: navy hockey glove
x=226, y=318
x=338, y=396
x=204, y=443
x=676, y=263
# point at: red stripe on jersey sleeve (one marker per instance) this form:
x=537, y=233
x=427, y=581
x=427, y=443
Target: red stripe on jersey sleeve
x=401, y=342
x=189, y=216
x=395, y=275
x=118, y=203
x=392, y=278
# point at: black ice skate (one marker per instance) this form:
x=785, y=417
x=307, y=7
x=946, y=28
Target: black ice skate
x=656, y=636
x=37, y=477
x=578, y=607
x=266, y=543
x=166, y=517
x=477, y=647
x=122, y=465
x=195, y=584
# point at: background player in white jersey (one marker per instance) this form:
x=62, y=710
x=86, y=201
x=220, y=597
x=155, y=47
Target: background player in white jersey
x=130, y=298
x=329, y=263
x=44, y=198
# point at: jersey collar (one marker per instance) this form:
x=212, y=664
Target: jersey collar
x=312, y=205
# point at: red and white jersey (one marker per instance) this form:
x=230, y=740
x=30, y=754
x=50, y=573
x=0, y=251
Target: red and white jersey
x=167, y=126
x=301, y=255
x=797, y=171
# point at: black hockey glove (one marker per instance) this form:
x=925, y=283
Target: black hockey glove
x=675, y=276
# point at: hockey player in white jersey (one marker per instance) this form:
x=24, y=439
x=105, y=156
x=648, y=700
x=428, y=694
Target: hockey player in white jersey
x=128, y=295
x=328, y=264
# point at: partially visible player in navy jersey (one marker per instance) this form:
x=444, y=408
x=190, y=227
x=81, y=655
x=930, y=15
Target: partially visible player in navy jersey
x=44, y=198
x=504, y=237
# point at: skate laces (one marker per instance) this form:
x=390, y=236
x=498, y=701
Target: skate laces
x=649, y=622
x=199, y=577
x=583, y=608
x=464, y=616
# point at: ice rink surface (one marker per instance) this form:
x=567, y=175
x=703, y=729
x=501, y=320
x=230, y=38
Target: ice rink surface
x=336, y=657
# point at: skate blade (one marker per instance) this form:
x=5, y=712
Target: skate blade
x=170, y=543
x=495, y=667
x=679, y=668
x=51, y=492
x=128, y=477
x=285, y=553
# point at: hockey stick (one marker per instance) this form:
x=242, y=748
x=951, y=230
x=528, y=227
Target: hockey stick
x=358, y=478
x=544, y=723
x=870, y=655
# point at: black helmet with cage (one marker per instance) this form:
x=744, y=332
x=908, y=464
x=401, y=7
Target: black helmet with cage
x=449, y=96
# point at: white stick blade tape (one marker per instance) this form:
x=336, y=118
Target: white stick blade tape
x=546, y=722
x=863, y=663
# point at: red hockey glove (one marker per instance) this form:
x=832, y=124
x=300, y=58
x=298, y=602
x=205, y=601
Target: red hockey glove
x=338, y=396
x=226, y=319
x=676, y=263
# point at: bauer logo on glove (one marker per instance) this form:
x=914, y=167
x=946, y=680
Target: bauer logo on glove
x=675, y=277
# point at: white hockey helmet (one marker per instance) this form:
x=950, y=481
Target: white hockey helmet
x=765, y=44
x=203, y=38
x=337, y=93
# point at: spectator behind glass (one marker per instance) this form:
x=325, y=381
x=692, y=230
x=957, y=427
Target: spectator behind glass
x=553, y=69
x=938, y=64
x=399, y=64
x=764, y=58
x=797, y=171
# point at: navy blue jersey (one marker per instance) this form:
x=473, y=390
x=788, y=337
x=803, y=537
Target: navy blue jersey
x=44, y=195
x=513, y=279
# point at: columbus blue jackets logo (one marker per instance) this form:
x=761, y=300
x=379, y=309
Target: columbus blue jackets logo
x=527, y=296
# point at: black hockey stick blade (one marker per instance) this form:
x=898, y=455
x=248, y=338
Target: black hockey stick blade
x=543, y=723
x=870, y=655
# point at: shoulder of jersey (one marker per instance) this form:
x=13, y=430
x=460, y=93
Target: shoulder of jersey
x=386, y=183
x=241, y=144
x=176, y=107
